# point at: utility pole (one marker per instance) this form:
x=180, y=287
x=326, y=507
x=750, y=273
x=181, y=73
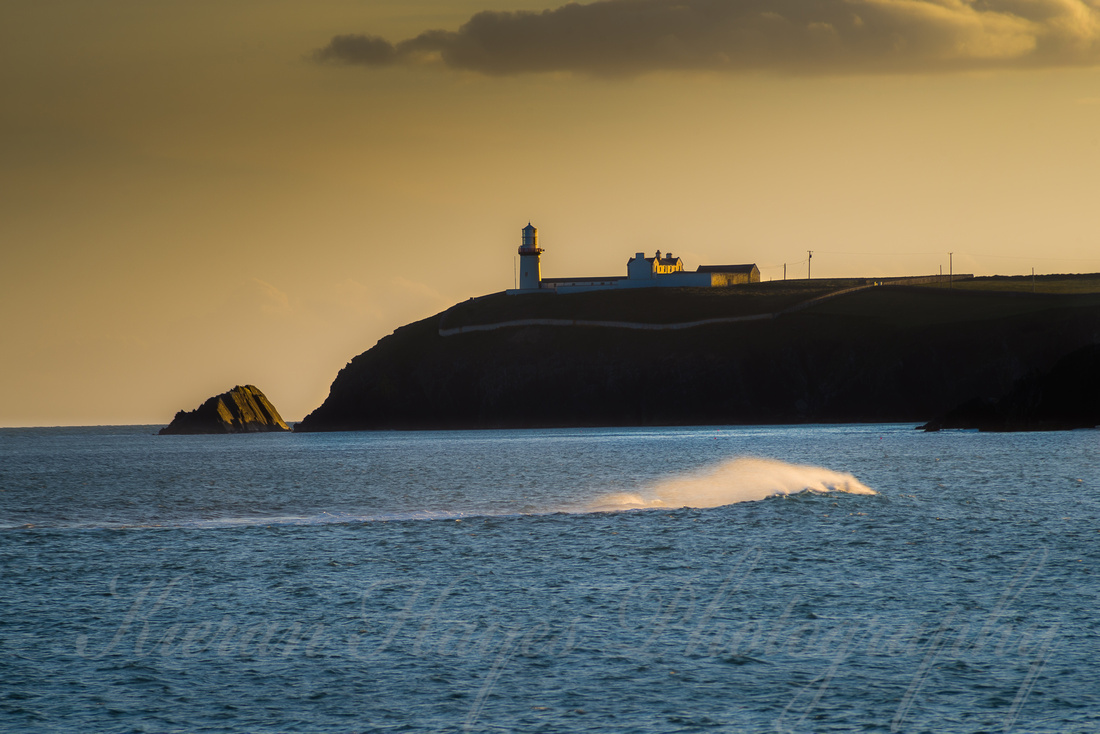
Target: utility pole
x=950, y=269
x=1033, y=280
x=809, y=257
x=784, y=271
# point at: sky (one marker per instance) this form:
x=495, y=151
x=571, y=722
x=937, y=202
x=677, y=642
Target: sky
x=198, y=194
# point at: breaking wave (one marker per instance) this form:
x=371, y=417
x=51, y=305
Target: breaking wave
x=737, y=480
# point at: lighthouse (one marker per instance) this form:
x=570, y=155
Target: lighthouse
x=530, y=272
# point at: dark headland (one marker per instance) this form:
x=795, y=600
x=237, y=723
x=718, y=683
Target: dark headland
x=1065, y=398
x=767, y=353
x=244, y=409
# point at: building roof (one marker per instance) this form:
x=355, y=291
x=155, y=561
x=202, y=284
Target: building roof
x=726, y=268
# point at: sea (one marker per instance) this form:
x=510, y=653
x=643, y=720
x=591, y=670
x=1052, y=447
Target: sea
x=840, y=578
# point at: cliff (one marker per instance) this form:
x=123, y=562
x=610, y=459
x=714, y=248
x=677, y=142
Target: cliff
x=244, y=409
x=770, y=353
x=1065, y=398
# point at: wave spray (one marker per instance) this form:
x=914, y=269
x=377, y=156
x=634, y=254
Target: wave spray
x=737, y=480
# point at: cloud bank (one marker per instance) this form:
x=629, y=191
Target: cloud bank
x=632, y=37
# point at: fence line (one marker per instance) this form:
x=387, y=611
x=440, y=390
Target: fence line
x=607, y=324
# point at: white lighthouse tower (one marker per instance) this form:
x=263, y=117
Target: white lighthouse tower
x=530, y=271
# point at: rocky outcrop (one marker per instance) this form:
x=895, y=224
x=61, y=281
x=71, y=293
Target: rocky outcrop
x=244, y=409
x=1066, y=397
x=895, y=354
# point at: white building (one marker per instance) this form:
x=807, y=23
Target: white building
x=641, y=272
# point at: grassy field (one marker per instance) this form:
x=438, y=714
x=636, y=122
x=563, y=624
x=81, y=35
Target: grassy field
x=987, y=297
x=1065, y=283
x=906, y=306
x=642, y=305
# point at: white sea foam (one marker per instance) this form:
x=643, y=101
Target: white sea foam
x=737, y=480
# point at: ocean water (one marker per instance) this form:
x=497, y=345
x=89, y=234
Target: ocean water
x=860, y=578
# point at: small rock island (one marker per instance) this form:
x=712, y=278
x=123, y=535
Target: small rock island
x=244, y=409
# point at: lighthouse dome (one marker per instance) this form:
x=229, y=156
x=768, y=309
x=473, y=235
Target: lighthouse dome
x=530, y=236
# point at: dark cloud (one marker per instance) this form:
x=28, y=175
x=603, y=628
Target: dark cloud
x=630, y=37
x=352, y=49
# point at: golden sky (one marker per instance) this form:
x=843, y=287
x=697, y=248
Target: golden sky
x=200, y=194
